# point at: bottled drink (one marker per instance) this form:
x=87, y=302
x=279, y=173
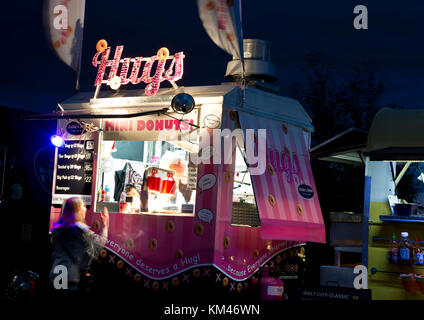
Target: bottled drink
x=107, y=197
x=418, y=254
x=393, y=250
x=154, y=181
x=406, y=254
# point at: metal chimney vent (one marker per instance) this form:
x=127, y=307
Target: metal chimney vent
x=257, y=62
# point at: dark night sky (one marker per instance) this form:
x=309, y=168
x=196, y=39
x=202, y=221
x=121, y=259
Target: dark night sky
x=33, y=78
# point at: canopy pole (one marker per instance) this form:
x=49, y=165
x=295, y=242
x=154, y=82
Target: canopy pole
x=96, y=93
x=77, y=82
x=405, y=167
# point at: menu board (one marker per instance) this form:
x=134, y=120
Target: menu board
x=74, y=171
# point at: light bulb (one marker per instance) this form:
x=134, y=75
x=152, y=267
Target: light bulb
x=57, y=141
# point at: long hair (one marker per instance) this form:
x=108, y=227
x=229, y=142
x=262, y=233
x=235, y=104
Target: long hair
x=67, y=216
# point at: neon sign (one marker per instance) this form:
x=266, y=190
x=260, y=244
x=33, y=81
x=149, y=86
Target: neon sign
x=173, y=73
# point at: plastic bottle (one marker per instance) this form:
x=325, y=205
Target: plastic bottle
x=154, y=181
x=418, y=254
x=103, y=195
x=107, y=190
x=406, y=253
x=393, y=250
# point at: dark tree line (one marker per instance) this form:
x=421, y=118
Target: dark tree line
x=336, y=103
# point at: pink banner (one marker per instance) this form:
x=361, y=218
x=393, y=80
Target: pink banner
x=285, y=193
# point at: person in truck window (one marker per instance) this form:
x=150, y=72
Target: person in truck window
x=137, y=199
x=74, y=246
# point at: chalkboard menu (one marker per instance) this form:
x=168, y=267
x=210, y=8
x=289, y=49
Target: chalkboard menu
x=74, y=171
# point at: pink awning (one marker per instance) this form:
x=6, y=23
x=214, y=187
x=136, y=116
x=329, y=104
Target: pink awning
x=285, y=193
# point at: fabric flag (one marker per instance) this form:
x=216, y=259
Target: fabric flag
x=64, y=22
x=222, y=22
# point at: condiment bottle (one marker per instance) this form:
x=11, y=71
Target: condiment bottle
x=418, y=254
x=154, y=181
x=168, y=185
x=406, y=253
x=393, y=250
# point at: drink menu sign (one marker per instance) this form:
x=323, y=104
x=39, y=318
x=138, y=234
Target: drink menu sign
x=74, y=171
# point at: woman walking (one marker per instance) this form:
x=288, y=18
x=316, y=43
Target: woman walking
x=74, y=248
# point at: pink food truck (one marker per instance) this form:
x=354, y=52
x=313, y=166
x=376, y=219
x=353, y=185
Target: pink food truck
x=200, y=182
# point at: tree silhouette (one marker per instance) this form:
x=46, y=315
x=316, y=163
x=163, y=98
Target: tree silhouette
x=335, y=104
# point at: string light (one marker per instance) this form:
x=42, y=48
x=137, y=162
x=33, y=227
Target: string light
x=102, y=67
x=124, y=71
x=115, y=83
x=114, y=64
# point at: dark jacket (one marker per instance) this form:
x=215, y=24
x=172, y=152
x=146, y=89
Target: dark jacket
x=73, y=247
x=124, y=177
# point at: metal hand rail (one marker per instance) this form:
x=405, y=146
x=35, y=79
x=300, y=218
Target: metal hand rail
x=375, y=239
x=374, y=271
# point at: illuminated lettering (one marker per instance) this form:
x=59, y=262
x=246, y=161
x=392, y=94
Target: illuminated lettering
x=169, y=124
x=140, y=125
x=109, y=126
x=150, y=125
x=173, y=73
x=159, y=125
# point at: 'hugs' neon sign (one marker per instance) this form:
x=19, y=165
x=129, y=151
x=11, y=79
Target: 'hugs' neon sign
x=173, y=73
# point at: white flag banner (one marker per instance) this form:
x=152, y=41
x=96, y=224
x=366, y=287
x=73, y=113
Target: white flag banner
x=64, y=22
x=222, y=21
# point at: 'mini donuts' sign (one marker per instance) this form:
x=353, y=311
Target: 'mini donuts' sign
x=172, y=73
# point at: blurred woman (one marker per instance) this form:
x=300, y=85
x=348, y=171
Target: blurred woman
x=74, y=245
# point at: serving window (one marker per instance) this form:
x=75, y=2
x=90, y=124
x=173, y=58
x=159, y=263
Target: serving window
x=244, y=208
x=148, y=177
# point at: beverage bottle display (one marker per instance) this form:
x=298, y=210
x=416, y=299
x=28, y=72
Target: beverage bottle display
x=393, y=250
x=418, y=254
x=406, y=253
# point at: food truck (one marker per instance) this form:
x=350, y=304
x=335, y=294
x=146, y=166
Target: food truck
x=204, y=181
x=392, y=233
x=389, y=156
